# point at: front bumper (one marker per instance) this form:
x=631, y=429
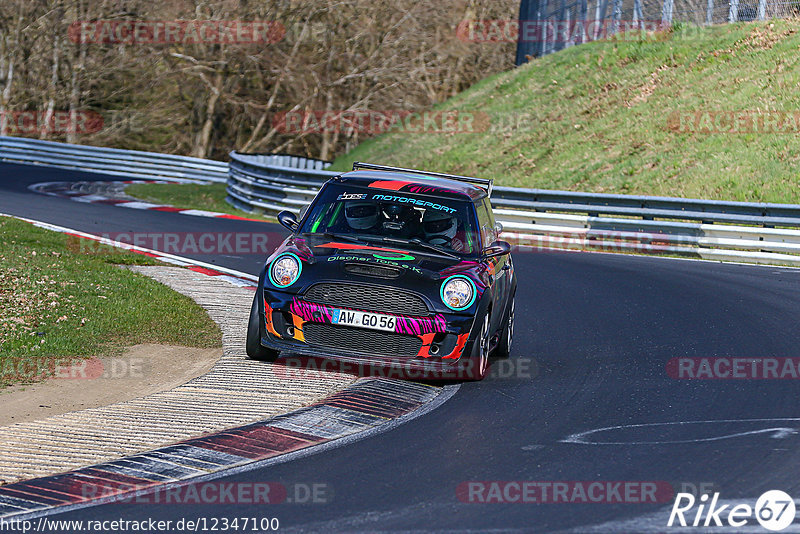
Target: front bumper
x=444, y=339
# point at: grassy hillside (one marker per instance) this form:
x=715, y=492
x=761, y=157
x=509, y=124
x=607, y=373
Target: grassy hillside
x=613, y=117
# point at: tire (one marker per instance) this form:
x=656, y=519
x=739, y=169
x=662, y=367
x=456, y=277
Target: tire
x=255, y=350
x=479, y=360
x=507, y=335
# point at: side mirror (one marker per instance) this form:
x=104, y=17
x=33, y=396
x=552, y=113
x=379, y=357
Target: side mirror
x=498, y=248
x=498, y=227
x=288, y=220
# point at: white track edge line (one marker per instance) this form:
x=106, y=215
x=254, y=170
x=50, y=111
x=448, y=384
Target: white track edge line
x=128, y=246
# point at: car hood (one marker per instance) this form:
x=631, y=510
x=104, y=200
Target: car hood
x=332, y=258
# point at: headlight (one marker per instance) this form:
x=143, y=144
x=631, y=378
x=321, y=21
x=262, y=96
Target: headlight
x=458, y=292
x=285, y=270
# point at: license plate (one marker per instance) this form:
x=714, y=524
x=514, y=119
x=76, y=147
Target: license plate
x=373, y=321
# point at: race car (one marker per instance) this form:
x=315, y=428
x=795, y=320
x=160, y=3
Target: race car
x=390, y=267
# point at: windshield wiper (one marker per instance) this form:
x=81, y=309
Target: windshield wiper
x=331, y=235
x=383, y=239
x=429, y=246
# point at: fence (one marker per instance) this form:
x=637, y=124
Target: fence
x=547, y=26
x=544, y=219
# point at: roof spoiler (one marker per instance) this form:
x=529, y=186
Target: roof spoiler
x=480, y=182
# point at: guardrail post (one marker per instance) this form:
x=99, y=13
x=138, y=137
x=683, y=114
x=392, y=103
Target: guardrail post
x=762, y=9
x=616, y=15
x=584, y=14
x=600, y=18
x=638, y=18
x=541, y=19
x=733, y=11
x=666, y=12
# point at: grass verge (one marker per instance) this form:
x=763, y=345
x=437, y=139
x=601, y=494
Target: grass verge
x=59, y=303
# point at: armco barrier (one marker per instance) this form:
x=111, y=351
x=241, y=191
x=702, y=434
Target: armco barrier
x=274, y=185
x=114, y=161
x=538, y=218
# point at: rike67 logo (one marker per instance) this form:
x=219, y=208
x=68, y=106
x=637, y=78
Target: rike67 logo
x=774, y=510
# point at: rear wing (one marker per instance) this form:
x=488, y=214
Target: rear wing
x=480, y=182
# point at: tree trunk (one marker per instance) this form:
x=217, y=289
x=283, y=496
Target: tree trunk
x=6, y=97
x=75, y=90
x=51, y=103
x=204, y=138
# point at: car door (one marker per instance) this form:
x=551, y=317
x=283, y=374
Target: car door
x=500, y=274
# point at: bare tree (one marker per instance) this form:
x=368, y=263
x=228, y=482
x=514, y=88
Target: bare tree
x=210, y=96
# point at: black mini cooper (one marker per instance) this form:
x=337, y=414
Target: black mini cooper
x=390, y=267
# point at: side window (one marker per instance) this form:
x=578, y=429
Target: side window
x=486, y=220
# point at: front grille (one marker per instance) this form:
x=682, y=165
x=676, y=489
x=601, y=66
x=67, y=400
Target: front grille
x=376, y=271
x=366, y=297
x=352, y=339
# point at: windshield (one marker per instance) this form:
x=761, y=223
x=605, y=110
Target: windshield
x=448, y=224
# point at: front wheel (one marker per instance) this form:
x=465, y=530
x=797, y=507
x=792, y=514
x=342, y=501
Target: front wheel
x=255, y=350
x=478, y=366
x=507, y=335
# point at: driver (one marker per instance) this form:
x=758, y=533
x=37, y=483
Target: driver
x=361, y=215
x=440, y=228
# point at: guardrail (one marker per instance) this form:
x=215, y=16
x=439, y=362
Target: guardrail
x=114, y=161
x=537, y=218
x=719, y=230
x=274, y=185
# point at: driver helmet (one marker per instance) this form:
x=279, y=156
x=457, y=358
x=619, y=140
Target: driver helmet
x=361, y=215
x=439, y=227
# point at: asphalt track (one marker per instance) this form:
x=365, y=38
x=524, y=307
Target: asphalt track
x=600, y=329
